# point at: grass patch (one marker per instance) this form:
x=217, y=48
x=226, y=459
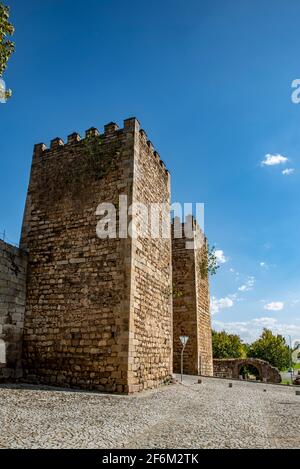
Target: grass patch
x=295, y=366
x=287, y=382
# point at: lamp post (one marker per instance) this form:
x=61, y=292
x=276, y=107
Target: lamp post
x=183, y=340
x=291, y=360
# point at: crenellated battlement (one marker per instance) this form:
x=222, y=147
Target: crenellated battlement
x=189, y=219
x=111, y=130
x=153, y=152
x=189, y=228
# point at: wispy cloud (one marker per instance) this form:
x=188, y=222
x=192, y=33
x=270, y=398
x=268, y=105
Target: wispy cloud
x=251, y=330
x=288, y=171
x=295, y=302
x=265, y=322
x=273, y=160
x=274, y=306
x=217, y=304
x=247, y=285
x=221, y=258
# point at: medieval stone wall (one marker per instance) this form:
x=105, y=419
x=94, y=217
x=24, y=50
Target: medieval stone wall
x=12, y=306
x=77, y=310
x=184, y=306
x=151, y=314
x=203, y=307
x=191, y=314
x=98, y=314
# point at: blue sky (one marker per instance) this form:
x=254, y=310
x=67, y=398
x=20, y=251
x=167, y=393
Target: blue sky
x=210, y=83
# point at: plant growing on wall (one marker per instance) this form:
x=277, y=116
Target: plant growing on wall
x=177, y=293
x=209, y=262
x=174, y=291
x=7, y=47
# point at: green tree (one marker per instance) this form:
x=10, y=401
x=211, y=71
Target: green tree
x=7, y=47
x=209, y=262
x=226, y=345
x=271, y=348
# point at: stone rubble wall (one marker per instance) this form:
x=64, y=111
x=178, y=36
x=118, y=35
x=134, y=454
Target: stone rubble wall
x=80, y=311
x=231, y=367
x=203, y=307
x=191, y=309
x=77, y=311
x=150, y=350
x=184, y=307
x=98, y=311
x=13, y=263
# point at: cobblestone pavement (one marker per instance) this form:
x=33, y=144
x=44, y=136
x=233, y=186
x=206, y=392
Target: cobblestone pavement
x=207, y=415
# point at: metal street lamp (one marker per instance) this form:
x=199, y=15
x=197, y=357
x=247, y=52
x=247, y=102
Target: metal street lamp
x=291, y=360
x=183, y=340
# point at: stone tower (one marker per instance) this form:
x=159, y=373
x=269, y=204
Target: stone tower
x=191, y=313
x=98, y=311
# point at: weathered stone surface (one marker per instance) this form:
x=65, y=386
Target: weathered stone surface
x=191, y=314
x=12, y=306
x=231, y=367
x=97, y=313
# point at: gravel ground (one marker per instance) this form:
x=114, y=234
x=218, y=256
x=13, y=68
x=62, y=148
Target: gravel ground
x=188, y=415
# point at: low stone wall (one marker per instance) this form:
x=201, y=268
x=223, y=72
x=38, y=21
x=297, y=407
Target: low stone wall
x=12, y=306
x=231, y=368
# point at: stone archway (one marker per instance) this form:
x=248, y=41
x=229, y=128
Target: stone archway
x=250, y=372
x=231, y=368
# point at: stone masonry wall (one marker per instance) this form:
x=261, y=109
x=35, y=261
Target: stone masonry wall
x=191, y=314
x=184, y=306
x=77, y=311
x=231, y=368
x=12, y=305
x=97, y=312
x=203, y=309
x=151, y=314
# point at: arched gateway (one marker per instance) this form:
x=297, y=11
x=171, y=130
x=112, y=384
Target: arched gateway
x=236, y=367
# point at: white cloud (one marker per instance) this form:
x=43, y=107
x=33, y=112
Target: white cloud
x=288, y=171
x=272, y=160
x=274, y=306
x=265, y=322
x=220, y=256
x=221, y=303
x=251, y=330
x=295, y=302
x=248, y=285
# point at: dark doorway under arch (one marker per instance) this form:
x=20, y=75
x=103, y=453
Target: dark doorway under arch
x=250, y=372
